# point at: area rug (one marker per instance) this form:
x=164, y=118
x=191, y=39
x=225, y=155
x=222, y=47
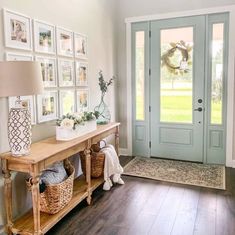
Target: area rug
x=203, y=175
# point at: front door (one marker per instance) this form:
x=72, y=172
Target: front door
x=179, y=70
x=177, y=88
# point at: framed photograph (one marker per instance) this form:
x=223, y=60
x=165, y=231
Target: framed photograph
x=47, y=106
x=17, y=30
x=49, y=71
x=66, y=73
x=82, y=98
x=44, y=37
x=64, y=39
x=28, y=102
x=67, y=102
x=80, y=45
x=81, y=73
x=12, y=56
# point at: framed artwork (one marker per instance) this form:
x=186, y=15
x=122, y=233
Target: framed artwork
x=66, y=73
x=80, y=45
x=81, y=73
x=64, y=39
x=44, y=37
x=82, y=98
x=47, y=106
x=12, y=56
x=28, y=102
x=49, y=71
x=67, y=102
x=17, y=30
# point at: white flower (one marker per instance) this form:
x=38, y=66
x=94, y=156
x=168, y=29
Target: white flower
x=67, y=123
x=78, y=116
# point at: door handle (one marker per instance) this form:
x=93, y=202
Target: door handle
x=198, y=109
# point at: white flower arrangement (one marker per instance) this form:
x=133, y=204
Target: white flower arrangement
x=71, y=121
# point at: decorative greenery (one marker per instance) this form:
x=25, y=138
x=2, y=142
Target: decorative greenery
x=70, y=121
x=185, y=52
x=104, y=84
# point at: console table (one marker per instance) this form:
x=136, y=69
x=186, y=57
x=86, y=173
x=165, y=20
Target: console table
x=43, y=154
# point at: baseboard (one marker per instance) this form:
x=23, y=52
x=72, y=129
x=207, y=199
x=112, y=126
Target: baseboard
x=123, y=151
x=2, y=230
x=233, y=164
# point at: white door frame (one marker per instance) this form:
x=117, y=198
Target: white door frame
x=230, y=162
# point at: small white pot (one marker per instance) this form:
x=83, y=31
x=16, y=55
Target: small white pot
x=65, y=134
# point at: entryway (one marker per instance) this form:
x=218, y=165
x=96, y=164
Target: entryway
x=179, y=74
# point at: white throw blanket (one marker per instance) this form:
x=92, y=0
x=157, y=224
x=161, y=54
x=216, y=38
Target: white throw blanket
x=112, y=167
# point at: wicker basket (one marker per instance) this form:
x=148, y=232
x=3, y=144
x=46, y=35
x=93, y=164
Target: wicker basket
x=57, y=196
x=97, y=162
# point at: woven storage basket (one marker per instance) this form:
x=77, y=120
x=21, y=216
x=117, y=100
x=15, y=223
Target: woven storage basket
x=57, y=196
x=97, y=161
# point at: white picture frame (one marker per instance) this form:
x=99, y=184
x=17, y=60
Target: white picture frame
x=64, y=41
x=44, y=37
x=66, y=73
x=82, y=99
x=81, y=72
x=14, y=56
x=49, y=70
x=28, y=102
x=17, y=30
x=47, y=106
x=80, y=45
x=67, y=101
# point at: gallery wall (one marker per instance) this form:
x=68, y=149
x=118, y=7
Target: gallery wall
x=92, y=18
x=134, y=8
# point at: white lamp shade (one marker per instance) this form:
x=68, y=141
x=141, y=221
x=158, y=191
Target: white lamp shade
x=19, y=78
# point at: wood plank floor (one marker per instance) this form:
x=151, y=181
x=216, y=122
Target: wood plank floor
x=144, y=206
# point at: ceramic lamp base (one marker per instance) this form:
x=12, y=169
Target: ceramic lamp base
x=19, y=131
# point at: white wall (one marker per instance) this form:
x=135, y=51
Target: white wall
x=93, y=18
x=133, y=8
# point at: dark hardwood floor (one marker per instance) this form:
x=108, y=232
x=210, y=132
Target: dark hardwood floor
x=144, y=206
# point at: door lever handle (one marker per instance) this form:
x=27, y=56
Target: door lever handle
x=198, y=109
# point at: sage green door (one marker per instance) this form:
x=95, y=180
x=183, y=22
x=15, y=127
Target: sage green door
x=177, y=88
x=179, y=71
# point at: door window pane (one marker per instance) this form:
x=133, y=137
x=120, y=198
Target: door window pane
x=140, y=75
x=217, y=73
x=176, y=82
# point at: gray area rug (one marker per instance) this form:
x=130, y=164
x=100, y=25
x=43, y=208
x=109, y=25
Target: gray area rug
x=203, y=175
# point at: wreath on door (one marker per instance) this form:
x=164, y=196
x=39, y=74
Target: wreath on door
x=168, y=57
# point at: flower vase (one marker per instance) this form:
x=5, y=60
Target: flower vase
x=104, y=113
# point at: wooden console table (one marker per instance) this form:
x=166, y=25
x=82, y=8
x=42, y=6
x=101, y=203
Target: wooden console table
x=42, y=155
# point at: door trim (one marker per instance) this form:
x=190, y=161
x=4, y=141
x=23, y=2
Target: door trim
x=230, y=82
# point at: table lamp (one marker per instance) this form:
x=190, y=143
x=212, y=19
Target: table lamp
x=20, y=78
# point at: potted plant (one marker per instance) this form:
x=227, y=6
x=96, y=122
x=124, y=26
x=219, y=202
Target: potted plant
x=102, y=110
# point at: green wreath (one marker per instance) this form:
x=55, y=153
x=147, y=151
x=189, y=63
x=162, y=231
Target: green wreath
x=184, y=50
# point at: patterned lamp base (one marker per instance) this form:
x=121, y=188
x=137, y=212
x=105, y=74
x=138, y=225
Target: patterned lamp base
x=19, y=131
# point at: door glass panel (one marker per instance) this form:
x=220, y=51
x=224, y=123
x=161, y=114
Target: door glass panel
x=176, y=82
x=217, y=73
x=140, y=75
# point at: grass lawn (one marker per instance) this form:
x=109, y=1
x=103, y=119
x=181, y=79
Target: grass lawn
x=178, y=108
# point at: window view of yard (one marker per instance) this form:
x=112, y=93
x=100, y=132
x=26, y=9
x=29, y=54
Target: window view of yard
x=176, y=85
x=176, y=88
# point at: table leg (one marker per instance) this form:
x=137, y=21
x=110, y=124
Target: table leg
x=36, y=203
x=7, y=196
x=88, y=174
x=117, y=140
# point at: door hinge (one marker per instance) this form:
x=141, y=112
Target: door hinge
x=149, y=72
x=150, y=144
x=149, y=108
x=150, y=33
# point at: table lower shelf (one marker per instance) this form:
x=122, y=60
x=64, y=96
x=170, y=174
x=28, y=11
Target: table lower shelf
x=25, y=224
